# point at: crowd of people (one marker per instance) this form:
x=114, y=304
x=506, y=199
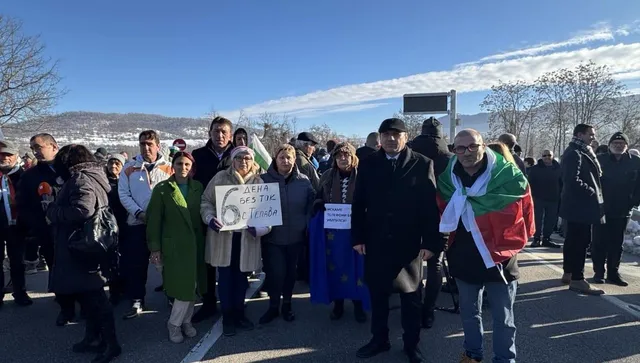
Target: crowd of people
x=412, y=202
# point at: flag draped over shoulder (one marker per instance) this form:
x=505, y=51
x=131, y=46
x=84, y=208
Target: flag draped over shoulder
x=497, y=209
x=262, y=157
x=337, y=271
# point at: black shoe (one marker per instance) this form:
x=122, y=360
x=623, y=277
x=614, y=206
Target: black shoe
x=22, y=299
x=428, y=318
x=228, y=325
x=269, y=316
x=244, y=324
x=1, y=303
x=414, y=355
x=90, y=346
x=207, y=311
x=338, y=310
x=617, y=280
x=111, y=351
x=598, y=278
x=136, y=309
x=63, y=319
x=547, y=243
x=358, y=312
x=287, y=313
x=373, y=348
x=536, y=242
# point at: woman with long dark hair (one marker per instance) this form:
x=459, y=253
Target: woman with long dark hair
x=84, y=192
x=176, y=241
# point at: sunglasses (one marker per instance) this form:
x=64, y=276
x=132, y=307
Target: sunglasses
x=546, y=156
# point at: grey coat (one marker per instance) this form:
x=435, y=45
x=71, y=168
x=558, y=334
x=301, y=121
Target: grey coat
x=296, y=196
x=76, y=202
x=581, y=199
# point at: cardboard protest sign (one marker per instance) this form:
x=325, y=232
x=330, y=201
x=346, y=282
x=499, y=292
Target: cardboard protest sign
x=248, y=205
x=337, y=216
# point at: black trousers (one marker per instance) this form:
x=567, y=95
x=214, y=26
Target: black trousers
x=607, y=245
x=577, y=239
x=410, y=310
x=280, y=264
x=99, y=314
x=546, y=216
x=434, y=282
x=134, y=262
x=15, y=251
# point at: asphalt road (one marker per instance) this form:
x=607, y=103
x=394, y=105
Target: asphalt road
x=554, y=325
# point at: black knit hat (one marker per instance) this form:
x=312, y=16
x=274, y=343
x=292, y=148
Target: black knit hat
x=432, y=127
x=619, y=136
x=392, y=124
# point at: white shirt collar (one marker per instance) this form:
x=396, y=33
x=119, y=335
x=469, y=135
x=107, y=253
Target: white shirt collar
x=389, y=157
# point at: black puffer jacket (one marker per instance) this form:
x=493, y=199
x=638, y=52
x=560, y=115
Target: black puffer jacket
x=435, y=149
x=545, y=181
x=620, y=184
x=80, y=196
x=30, y=212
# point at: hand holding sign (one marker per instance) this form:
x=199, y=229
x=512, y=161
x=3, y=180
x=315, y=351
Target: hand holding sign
x=257, y=205
x=337, y=216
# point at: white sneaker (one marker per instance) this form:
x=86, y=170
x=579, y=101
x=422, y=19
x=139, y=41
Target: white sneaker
x=189, y=330
x=175, y=333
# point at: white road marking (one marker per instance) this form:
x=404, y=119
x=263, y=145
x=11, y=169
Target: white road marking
x=629, y=308
x=208, y=340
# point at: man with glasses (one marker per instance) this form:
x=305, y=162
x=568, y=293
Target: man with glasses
x=621, y=191
x=545, y=179
x=486, y=201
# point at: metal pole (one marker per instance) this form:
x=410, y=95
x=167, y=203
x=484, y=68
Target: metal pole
x=453, y=115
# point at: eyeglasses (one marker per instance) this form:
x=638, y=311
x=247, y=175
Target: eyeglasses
x=460, y=149
x=546, y=155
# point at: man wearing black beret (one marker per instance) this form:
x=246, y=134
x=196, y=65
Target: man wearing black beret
x=395, y=225
x=621, y=193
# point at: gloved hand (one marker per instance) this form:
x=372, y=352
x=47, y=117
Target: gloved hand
x=252, y=231
x=318, y=207
x=215, y=224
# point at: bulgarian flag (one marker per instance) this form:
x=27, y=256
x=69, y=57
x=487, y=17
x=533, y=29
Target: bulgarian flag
x=262, y=157
x=497, y=209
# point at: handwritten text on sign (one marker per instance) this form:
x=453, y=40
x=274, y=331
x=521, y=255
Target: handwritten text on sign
x=254, y=205
x=337, y=216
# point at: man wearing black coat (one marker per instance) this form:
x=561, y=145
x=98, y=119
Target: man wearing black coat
x=581, y=205
x=395, y=222
x=545, y=180
x=621, y=192
x=11, y=234
x=431, y=144
x=215, y=156
x=370, y=147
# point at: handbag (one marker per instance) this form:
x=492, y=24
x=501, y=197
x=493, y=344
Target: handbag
x=97, y=236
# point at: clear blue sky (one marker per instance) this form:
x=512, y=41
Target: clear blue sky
x=183, y=58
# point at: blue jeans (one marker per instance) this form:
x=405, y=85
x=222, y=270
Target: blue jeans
x=232, y=283
x=501, y=297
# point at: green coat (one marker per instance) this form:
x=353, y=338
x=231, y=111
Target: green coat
x=174, y=228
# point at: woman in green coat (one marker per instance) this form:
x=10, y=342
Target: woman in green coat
x=176, y=241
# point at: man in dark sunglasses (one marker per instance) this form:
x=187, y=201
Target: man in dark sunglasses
x=545, y=179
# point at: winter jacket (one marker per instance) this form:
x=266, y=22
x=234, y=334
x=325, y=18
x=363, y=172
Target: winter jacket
x=296, y=196
x=435, y=149
x=29, y=201
x=364, y=152
x=520, y=163
x=620, y=184
x=76, y=203
x=9, y=208
x=581, y=198
x=208, y=164
x=174, y=229
x=305, y=167
x=395, y=215
x=136, y=183
x=219, y=244
x=114, y=202
x=545, y=181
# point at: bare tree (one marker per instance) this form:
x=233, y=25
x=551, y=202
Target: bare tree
x=412, y=122
x=323, y=133
x=625, y=118
x=512, y=105
x=28, y=79
x=554, y=89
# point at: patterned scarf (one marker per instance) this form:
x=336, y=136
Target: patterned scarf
x=8, y=195
x=342, y=187
x=584, y=147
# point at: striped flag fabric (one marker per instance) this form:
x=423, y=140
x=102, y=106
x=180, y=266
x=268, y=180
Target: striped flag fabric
x=262, y=156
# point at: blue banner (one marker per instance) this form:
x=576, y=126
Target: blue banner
x=337, y=271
